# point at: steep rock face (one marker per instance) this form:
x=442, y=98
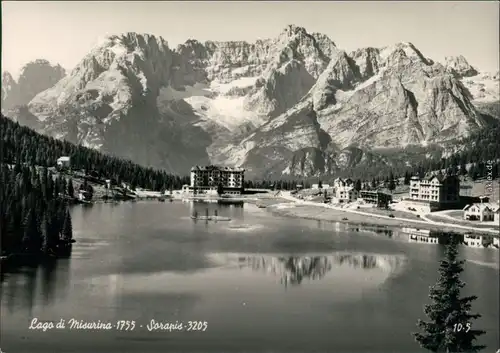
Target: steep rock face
x=275, y=142
x=340, y=75
x=109, y=101
x=408, y=99
x=280, y=90
x=368, y=61
x=311, y=161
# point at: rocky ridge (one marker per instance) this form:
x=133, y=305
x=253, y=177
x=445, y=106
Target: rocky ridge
x=293, y=105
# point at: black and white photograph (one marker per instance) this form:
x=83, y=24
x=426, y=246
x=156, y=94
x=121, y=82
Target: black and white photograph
x=250, y=177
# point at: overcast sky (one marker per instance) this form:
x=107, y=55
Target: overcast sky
x=63, y=32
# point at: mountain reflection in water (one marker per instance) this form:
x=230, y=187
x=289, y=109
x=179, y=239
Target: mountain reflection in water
x=294, y=269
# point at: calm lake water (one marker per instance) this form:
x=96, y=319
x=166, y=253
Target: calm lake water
x=260, y=282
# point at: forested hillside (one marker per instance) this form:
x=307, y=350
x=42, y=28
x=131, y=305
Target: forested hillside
x=20, y=144
x=34, y=214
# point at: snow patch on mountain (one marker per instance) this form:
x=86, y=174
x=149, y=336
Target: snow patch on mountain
x=225, y=88
x=484, y=88
x=213, y=103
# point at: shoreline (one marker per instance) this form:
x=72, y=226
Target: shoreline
x=320, y=212
x=287, y=206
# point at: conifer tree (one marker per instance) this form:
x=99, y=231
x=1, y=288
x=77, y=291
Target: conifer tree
x=391, y=185
x=450, y=327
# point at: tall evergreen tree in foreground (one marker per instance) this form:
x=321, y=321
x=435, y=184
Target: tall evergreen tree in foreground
x=450, y=327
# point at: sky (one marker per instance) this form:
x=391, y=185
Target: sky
x=64, y=32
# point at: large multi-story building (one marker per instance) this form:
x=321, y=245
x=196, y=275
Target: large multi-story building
x=376, y=197
x=346, y=194
x=436, y=189
x=211, y=179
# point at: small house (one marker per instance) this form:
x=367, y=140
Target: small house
x=478, y=212
x=84, y=195
x=64, y=162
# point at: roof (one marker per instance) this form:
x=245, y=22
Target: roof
x=482, y=207
x=492, y=206
x=64, y=159
x=215, y=167
x=440, y=177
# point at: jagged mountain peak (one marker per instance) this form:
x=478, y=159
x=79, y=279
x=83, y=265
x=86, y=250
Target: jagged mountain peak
x=128, y=42
x=294, y=31
x=401, y=51
x=190, y=43
x=459, y=66
x=134, y=37
x=258, y=103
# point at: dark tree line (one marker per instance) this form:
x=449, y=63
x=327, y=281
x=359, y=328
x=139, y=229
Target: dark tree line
x=34, y=217
x=23, y=145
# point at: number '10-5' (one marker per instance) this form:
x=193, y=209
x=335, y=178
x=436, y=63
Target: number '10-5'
x=460, y=327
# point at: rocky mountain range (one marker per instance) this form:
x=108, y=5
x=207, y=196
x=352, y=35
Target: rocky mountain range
x=292, y=105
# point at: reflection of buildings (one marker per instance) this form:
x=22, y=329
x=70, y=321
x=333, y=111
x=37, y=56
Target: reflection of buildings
x=430, y=237
x=421, y=236
x=294, y=269
x=496, y=242
x=478, y=241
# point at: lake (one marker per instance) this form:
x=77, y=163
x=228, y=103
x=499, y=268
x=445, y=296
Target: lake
x=258, y=283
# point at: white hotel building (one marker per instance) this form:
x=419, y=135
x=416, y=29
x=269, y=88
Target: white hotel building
x=207, y=180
